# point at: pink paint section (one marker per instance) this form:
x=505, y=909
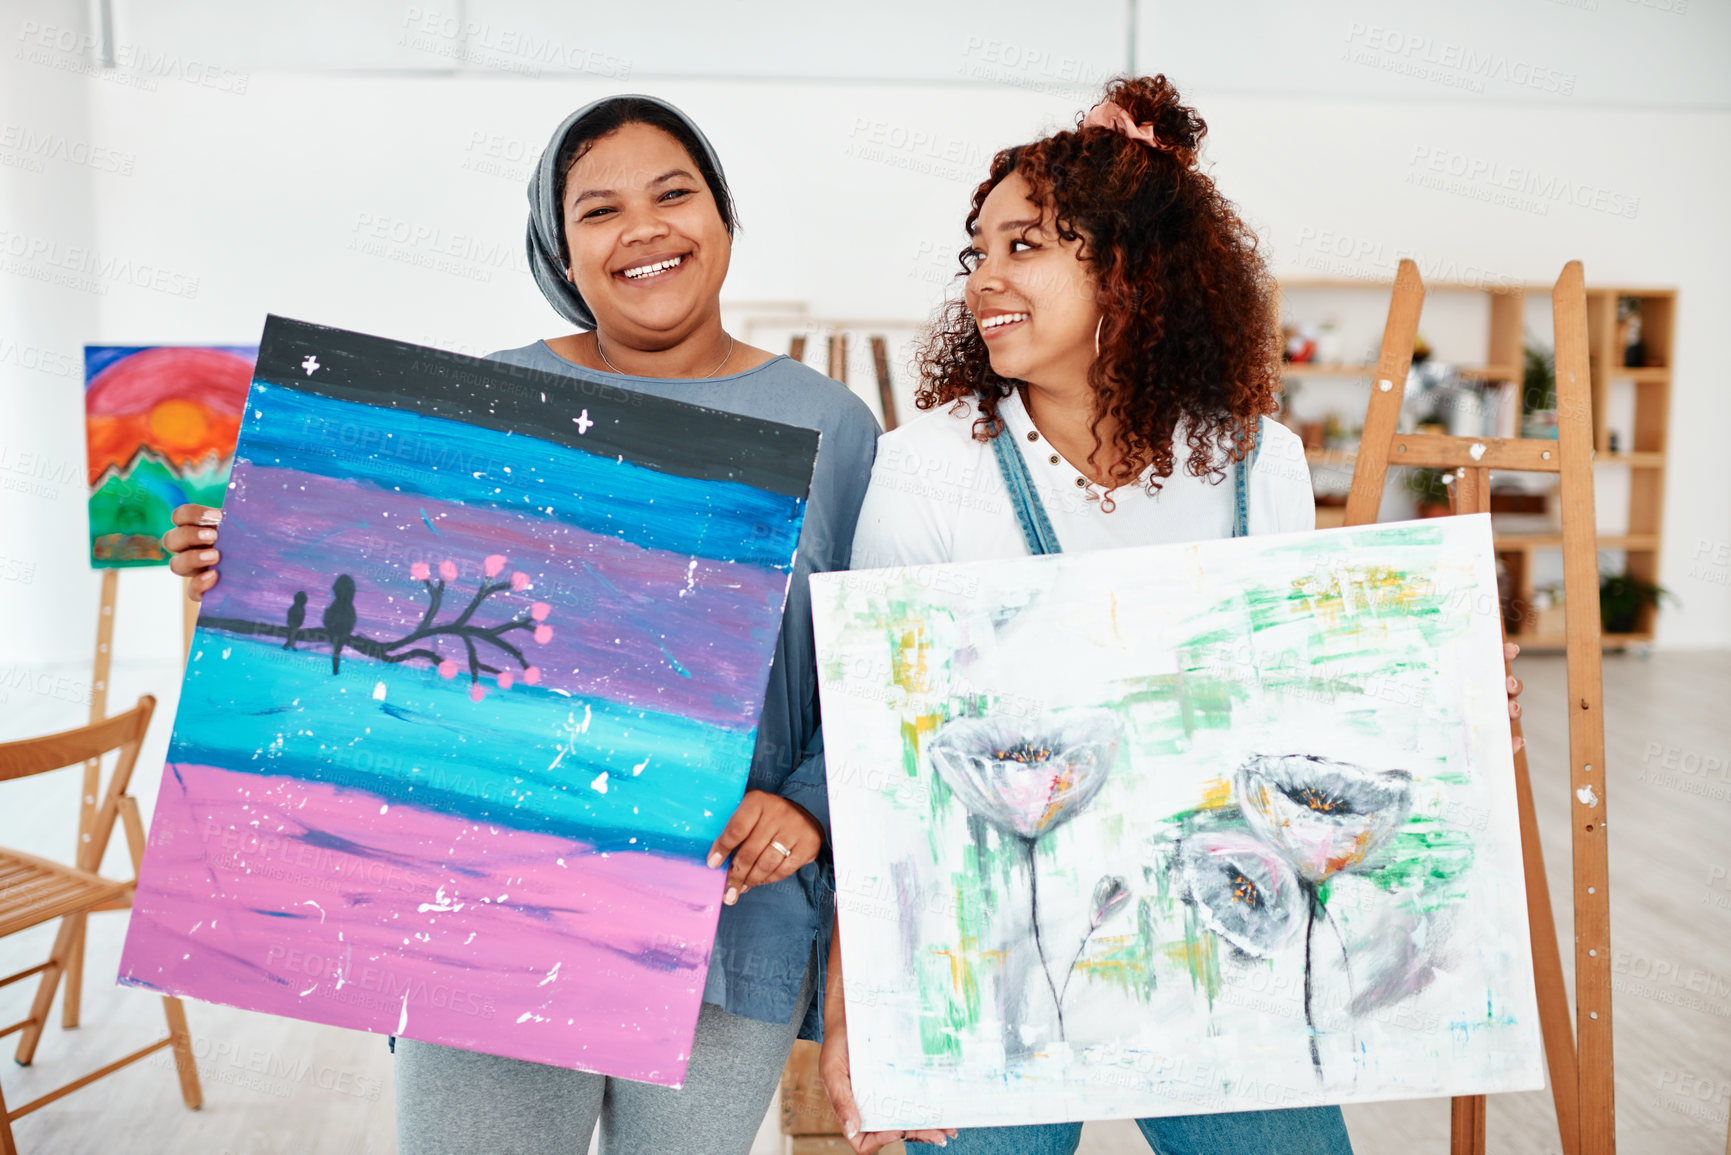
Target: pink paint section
x=517, y=944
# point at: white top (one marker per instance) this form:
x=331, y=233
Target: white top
x=937, y=495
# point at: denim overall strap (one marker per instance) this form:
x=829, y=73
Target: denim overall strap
x=1241, y=486
x=1024, y=499
x=1031, y=514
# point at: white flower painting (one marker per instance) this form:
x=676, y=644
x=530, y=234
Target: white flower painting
x=1225, y=826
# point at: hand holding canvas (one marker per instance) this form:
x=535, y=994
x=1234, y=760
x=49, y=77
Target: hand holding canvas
x=769, y=838
x=192, y=542
x=837, y=1076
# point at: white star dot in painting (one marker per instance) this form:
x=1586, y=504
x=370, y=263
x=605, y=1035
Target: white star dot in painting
x=311, y=365
x=583, y=422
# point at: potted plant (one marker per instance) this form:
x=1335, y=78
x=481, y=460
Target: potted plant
x=1538, y=392
x=1621, y=599
x=1629, y=345
x=1431, y=490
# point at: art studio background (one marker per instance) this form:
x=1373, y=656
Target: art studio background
x=172, y=171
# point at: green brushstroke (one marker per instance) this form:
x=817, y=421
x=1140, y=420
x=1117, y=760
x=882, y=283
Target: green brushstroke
x=1199, y=953
x=1427, y=861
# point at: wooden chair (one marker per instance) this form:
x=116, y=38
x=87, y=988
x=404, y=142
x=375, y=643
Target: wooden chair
x=35, y=890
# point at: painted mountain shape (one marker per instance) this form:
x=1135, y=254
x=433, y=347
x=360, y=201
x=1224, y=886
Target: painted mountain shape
x=131, y=509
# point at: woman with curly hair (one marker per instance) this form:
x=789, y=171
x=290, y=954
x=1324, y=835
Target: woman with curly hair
x=1101, y=383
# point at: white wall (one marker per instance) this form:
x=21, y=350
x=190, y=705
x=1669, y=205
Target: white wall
x=392, y=200
x=47, y=221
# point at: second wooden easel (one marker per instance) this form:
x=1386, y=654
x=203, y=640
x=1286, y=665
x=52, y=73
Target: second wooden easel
x=1581, y=1078
x=85, y=856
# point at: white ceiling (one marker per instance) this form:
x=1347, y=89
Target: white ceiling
x=1627, y=53
x=1652, y=53
x=1019, y=42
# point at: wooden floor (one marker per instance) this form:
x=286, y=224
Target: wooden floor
x=272, y=1085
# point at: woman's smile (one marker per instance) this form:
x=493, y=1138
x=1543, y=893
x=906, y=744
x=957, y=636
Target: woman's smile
x=994, y=323
x=652, y=269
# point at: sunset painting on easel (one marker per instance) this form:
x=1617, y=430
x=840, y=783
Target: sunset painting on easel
x=161, y=423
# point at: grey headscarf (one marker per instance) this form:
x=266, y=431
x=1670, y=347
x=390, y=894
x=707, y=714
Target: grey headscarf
x=545, y=212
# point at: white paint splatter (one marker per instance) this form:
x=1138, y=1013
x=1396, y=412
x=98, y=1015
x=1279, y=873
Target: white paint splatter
x=1587, y=797
x=600, y=783
x=441, y=902
x=317, y=907
x=470, y=939
x=551, y=975
x=309, y=990
x=403, y=1018
x=573, y=730
x=639, y=768
x=379, y=692
x=384, y=808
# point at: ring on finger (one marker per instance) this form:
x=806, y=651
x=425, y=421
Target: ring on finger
x=785, y=852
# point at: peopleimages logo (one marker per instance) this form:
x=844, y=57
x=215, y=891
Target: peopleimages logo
x=1034, y=67
x=1447, y=63
x=77, y=267
x=482, y=43
x=1344, y=254
x=138, y=65
x=1523, y=180
x=35, y=148
x=434, y=248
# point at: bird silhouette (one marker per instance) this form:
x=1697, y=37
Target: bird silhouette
x=340, y=618
x=297, y=614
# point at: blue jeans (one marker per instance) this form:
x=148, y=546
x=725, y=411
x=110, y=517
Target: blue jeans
x=1300, y=1131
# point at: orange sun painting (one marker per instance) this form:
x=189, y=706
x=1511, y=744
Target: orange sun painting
x=161, y=423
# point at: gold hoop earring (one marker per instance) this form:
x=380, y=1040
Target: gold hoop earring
x=1097, y=326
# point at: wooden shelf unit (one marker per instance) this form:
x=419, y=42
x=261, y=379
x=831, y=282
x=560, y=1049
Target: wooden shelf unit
x=1643, y=457
x=1649, y=435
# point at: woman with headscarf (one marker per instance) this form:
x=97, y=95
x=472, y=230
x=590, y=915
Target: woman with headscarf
x=630, y=232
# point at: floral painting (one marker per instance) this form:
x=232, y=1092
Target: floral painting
x=1182, y=829
x=476, y=691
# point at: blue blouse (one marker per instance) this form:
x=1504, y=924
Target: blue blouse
x=764, y=942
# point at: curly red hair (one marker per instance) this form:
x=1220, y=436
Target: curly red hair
x=1191, y=327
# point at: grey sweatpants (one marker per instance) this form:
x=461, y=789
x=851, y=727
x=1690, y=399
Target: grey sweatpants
x=454, y=1102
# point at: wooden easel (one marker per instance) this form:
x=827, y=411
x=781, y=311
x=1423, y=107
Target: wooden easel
x=886, y=393
x=1581, y=1080
x=85, y=856
x=837, y=368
